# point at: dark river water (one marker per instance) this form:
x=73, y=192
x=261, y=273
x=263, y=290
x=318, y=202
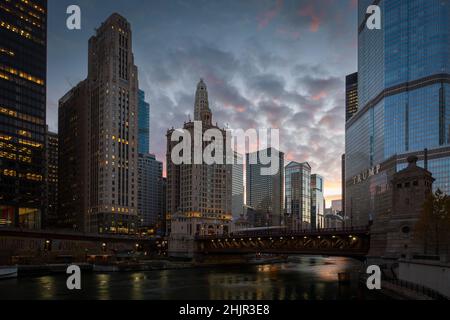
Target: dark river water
x=308, y=278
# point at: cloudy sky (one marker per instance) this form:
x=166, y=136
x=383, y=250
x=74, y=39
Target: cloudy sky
x=267, y=64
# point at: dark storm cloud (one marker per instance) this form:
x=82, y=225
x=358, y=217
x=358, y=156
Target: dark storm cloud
x=267, y=63
x=268, y=85
x=317, y=87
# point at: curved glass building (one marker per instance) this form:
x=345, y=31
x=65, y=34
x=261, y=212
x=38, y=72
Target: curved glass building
x=403, y=96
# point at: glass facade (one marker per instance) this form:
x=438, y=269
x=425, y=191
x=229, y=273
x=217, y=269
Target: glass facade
x=298, y=194
x=23, y=67
x=144, y=124
x=403, y=88
x=351, y=95
x=149, y=191
x=237, y=189
x=265, y=192
x=317, y=202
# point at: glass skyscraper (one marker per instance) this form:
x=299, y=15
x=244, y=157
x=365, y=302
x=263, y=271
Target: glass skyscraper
x=149, y=191
x=403, y=93
x=351, y=95
x=298, y=195
x=23, y=69
x=237, y=188
x=317, y=202
x=264, y=193
x=144, y=124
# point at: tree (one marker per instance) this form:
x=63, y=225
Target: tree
x=433, y=227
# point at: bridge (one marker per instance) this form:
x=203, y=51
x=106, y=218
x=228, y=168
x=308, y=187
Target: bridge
x=54, y=244
x=351, y=242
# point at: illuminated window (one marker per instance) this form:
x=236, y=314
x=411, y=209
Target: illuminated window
x=21, y=74
x=34, y=6
x=7, y=52
x=20, y=32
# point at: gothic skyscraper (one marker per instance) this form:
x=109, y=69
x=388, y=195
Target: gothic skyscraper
x=198, y=195
x=202, y=111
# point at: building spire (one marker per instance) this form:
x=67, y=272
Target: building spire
x=202, y=111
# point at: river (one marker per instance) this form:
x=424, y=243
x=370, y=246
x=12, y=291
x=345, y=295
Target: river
x=308, y=278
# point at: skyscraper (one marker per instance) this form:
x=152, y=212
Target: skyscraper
x=298, y=195
x=265, y=193
x=23, y=68
x=343, y=185
x=73, y=177
x=51, y=180
x=149, y=191
x=351, y=95
x=317, y=202
x=113, y=83
x=403, y=96
x=238, y=186
x=198, y=195
x=161, y=230
x=110, y=144
x=144, y=124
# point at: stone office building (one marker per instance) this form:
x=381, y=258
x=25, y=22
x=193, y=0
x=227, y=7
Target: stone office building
x=198, y=195
x=106, y=135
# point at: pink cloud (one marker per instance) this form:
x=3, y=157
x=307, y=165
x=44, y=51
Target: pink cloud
x=321, y=95
x=316, y=17
x=237, y=108
x=268, y=16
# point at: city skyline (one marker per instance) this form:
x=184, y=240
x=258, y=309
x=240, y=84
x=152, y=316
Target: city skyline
x=291, y=88
x=198, y=84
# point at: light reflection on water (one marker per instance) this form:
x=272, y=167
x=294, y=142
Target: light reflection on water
x=307, y=278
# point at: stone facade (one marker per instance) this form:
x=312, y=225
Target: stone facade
x=392, y=233
x=100, y=121
x=410, y=188
x=113, y=129
x=198, y=195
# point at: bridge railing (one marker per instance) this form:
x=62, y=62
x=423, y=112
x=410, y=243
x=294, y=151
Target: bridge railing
x=417, y=288
x=287, y=233
x=58, y=233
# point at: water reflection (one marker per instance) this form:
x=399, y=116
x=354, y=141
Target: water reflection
x=102, y=281
x=47, y=285
x=305, y=278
